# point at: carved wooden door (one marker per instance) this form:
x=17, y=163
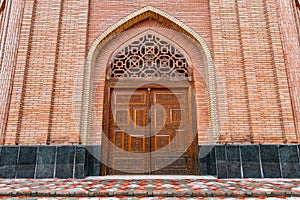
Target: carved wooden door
x=172, y=140
x=129, y=133
x=151, y=132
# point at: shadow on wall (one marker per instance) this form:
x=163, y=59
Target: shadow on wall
x=2, y=5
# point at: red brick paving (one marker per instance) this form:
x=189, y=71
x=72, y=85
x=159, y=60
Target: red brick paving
x=240, y=188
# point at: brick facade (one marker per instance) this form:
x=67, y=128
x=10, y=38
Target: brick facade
x=254, y=45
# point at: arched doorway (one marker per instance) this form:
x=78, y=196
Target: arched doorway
x=97, y=83
x=149, y=117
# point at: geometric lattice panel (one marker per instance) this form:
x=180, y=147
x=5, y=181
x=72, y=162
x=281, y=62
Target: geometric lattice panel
x=149, y=57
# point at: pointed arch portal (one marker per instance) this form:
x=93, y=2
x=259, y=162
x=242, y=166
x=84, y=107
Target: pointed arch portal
x=149, y=120
x=148, y=123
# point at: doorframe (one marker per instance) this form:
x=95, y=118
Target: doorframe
x=162, y=83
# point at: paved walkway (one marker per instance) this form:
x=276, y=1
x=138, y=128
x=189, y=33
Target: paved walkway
x=157, y=188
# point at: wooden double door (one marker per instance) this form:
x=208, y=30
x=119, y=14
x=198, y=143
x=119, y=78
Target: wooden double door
x=150, y=131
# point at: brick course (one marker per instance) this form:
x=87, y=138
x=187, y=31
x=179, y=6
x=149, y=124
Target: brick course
x=254, y=45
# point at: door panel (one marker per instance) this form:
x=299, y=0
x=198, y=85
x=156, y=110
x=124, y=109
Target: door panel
x=150, y=133
x=129, y=152
x=170, y=154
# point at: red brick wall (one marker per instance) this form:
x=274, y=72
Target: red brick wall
x=52, y=49
x=10, y=24
x=252, y=44
x=71, y=52
x=249, y=57
x=104, y=14
x=289, y=13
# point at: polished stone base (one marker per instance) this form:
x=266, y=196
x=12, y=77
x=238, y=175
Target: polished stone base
x=251, y=161
x=222, y=161
x=45, y=162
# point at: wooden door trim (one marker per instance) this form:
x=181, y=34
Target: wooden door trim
x=193, y=125
x=105, y=127
x=129, y=84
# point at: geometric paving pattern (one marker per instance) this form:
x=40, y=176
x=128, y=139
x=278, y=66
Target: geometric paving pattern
x=150, y=188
